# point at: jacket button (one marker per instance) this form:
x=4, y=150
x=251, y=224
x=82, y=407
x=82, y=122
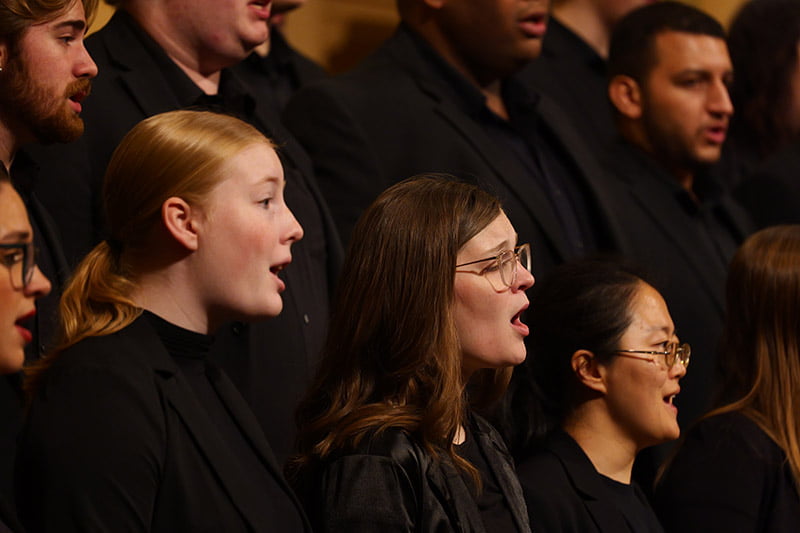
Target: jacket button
x=306, y=319
x=237, y=327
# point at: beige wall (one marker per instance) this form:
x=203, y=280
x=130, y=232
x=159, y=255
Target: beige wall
x=338, y=33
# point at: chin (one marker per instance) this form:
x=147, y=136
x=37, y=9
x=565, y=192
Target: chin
x=13, y=362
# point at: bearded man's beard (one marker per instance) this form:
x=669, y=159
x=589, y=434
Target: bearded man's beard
x=48, y=118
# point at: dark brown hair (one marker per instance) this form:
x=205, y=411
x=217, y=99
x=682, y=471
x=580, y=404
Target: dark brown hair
x=392, y=358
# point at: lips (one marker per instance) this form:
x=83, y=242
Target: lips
x=670, y=398
x=534, y=25
x=518, y=324
x=77, y=92
x=276, y=269
x=716, y=134
x=24, y=326
x=261, y=8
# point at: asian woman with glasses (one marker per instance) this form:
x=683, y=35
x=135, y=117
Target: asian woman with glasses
x=427, y=324
x=598, y=387
x=738, y=468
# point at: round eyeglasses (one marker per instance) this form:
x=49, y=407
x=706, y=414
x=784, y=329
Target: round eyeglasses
x=20, y=260
x=504, y=266
x=675, y=352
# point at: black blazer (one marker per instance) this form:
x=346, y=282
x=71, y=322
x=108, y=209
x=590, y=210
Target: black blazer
x=685, y=268
x=564, y=492
x=116, y=440
x=391, y=484
x=273, y=361
x=394, y=116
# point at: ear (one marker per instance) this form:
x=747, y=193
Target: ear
x=626, y=95
x=3, y=54
x=181, y=221
x=588, y=370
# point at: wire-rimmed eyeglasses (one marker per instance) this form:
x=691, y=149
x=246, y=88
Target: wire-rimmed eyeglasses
x=20, y=262
x=505, y=264
x=675, y=352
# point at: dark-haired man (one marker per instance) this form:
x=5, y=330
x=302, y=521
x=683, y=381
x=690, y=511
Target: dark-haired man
x=670, y=72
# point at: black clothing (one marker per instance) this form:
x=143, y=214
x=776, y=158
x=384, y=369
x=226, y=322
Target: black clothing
x=685, y=246
x=491, y=501
x=573, y=74
x=52, y=263
x=564, y=492
x=117, y=440
x=8, y=519
x=406, y=111
x=272, y=361
x=276, y=77
x=728, y=475
x=391, y=484
x=771, y=192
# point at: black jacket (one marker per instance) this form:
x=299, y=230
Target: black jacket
x=391, y=484
x=116, y=440
x=565, y=493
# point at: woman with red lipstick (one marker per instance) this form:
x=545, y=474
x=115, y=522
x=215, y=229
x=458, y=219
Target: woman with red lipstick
x=603, y=372
x=426, y=324
x=20, y=285
x=130, y=427
x=738, y=468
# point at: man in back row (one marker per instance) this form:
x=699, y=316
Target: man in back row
x=669, y=76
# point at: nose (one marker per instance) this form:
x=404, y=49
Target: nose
x=678, y=370
x=39, y=286
x=294, y=231
x=719, y=99
x=85, y=66
x=525, y=279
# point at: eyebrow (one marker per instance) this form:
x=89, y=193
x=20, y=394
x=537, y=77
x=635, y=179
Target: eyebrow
x=505, y=245
x=15, y=236
x=77, y=25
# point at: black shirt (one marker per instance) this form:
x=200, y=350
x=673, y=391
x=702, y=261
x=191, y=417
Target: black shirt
x=524, y=138
x=490, y=500
x=190, y=351
x=573, y=74
x=633, y=505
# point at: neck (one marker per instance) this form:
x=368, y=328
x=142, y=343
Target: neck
x=202, y=67
x=9, y=143
x=166, y=293
x=583, y=19
x=609, y=450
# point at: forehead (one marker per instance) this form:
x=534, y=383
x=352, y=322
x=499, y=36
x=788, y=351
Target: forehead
x=257, y=163
x=13, y=217
x=649, y=312
x=676, y=51
x=498, y=232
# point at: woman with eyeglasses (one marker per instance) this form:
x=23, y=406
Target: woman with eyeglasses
x=427, y=323
x=130, y=426
x=20, y=285
x=598, y=388
x=738, y=468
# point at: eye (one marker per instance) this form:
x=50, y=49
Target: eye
x=12, y=258
x=266, y=202
x=66, y=39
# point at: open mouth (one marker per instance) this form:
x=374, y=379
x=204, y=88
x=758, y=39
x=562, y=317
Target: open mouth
x=24, y=325
x=534, y=25
x=262, y=8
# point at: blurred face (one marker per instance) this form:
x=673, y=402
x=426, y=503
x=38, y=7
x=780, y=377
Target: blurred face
x=640, y=390
x=491, y=39
x=245, y=238
x=45, y=79
x=794, y=104
x=487, y=314
x=222, y=28
x=685, y=107
x=16, y=303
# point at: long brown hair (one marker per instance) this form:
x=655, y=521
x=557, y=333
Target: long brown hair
x=760, y=349
x=392, y=357
x=172, y=154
